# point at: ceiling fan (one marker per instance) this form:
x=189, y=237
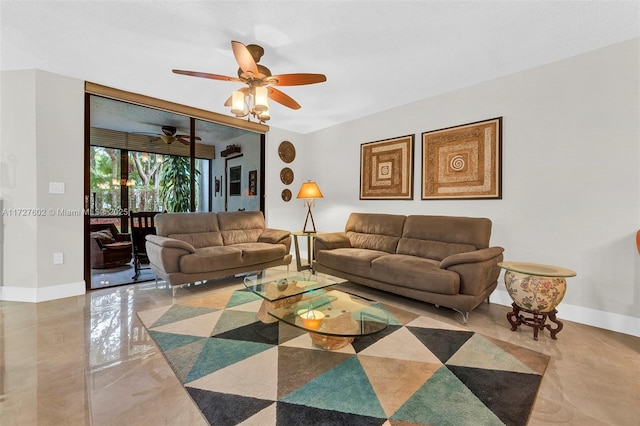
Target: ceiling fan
x=260, y=82
x=169, y=136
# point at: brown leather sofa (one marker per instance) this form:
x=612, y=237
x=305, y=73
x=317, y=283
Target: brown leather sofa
x=191, y=247
x=443, y=260
x=109, y=247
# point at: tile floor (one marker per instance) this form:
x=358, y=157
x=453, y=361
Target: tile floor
x=88, y=360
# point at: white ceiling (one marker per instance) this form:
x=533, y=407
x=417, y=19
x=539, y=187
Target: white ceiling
x=376, y=54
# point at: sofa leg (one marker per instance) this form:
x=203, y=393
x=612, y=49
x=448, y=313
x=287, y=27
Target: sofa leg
x=465, y=316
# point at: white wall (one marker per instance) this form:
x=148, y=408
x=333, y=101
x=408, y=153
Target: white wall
x=571, y=179
x=42, y=141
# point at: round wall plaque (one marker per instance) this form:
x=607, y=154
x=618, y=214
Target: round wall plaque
x=286, y=175
x=287, y=151
x=286, y=195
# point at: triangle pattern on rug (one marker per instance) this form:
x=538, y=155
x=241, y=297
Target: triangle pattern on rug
x=294, y=414
x=490, y=385
x=396, y=380
x=443, y=343
x=230, y=320
x=479, y=352
x=412, y=348
x=297, y=367
x=226, y=409
x=180, y=312
x=240, y=297
x=182, y=358
x=168, y=341
x=444, y=399
x=216, y=301
x=239, y=370
x=220, y=353
x=262, y=383
x=201, y=325
x=344, y=388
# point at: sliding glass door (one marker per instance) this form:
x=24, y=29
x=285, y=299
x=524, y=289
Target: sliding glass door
x=143, y=159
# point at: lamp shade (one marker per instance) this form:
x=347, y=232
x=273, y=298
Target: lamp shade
x=309, y=189
x=261, y=102
x=237, y=103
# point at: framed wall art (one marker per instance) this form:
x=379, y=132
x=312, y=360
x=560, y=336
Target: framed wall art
x=253, y=182
x=463, y=162
x=386, y=169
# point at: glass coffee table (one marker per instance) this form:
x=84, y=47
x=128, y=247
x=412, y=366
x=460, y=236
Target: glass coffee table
x=333, y=318
x=279, y=289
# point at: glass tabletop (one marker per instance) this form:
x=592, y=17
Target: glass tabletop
x=334, y=313
x=278, y=286
x=537, y=269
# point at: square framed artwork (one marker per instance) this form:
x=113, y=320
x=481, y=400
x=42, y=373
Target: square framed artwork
x=463, y=162
x=386, y=169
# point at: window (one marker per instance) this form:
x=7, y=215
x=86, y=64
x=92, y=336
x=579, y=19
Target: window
x=235, y=180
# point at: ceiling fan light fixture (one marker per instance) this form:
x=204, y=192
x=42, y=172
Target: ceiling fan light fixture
x=261, y=100
x=237, y=103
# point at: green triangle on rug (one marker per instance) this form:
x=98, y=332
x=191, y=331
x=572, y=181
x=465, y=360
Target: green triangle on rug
x=345, y=388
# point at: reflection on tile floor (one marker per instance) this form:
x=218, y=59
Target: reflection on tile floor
x=89, y=360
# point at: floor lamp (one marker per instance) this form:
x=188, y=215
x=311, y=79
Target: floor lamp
x=309, y=191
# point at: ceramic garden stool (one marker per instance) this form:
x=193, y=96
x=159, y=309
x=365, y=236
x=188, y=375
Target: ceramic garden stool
x=537, y=290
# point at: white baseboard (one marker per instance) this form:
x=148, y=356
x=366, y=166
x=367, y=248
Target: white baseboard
x=593, y=317
x=42, y=294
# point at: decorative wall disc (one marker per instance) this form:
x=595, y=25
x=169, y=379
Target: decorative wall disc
x=286, y=175
x=286, y=195
x=287, y=151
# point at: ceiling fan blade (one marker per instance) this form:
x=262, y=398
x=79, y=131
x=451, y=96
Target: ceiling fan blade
x=187, y=137
x=206, y=75
x=244, y=58
x=283, y=99
x=183, y=141
x=296, y=79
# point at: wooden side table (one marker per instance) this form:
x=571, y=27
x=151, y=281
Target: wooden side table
x=309, y=237
x=537, y=290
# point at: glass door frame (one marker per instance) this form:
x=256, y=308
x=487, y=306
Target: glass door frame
x=142, y=100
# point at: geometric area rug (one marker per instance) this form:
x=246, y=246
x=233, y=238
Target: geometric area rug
x=418, y=371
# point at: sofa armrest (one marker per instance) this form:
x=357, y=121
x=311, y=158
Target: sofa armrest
x=165, y=242
x=274, y=236
x=476, y=256
x=331, y=240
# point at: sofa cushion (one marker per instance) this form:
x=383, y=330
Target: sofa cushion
x=200, y=229
x=436, y=250
x=375, y=231
x=415, y=272
x=356, y=261
x=208, y=259
x=255, y=253
x=200, y=239
x=474, y=231
x=241, y=227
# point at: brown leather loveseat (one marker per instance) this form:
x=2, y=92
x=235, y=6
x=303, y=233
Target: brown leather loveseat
x=443, y=260
x=190, y=247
